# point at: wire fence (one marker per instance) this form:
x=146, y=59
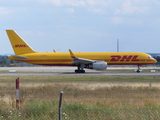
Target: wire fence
x=108, y=103
x=83, y=108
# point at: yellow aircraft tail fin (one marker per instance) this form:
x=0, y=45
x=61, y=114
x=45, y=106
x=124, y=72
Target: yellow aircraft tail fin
x=18, y=44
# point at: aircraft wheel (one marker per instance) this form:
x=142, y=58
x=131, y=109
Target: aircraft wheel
x=138, y=71
x=79, y=71
x=83, y=71
x=76, y=71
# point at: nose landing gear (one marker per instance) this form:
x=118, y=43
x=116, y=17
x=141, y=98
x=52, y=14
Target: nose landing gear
x=139, y=70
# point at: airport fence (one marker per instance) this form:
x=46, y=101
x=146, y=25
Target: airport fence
x=40, y=102
x=37, y=109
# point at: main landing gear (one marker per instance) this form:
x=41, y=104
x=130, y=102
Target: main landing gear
x=80, y=69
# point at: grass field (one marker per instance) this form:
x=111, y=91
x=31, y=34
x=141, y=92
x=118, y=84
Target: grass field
x=84, y=98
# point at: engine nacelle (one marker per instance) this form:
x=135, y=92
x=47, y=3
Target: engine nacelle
x=98, y=65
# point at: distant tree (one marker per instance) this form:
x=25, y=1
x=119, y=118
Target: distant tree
x=11, y=61
x=157, y=58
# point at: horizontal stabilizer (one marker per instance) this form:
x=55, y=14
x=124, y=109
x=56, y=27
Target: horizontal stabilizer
x=19, y=57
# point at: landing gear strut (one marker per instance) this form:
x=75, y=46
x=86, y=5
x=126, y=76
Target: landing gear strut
x=138, y=71
x=80, y=69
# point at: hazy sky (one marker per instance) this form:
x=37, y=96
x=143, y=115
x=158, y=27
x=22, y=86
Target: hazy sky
x=82, y=25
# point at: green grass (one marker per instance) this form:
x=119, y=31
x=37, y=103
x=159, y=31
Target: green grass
x=84, y=98
x=77, y=111
x=70, y=79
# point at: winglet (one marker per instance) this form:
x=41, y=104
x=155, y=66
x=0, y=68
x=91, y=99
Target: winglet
x=71, y=53
x=54, y=51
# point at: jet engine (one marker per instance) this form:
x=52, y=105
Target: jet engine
x=98, y=65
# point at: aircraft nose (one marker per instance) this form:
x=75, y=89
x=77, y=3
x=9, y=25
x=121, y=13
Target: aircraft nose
x=155, y=61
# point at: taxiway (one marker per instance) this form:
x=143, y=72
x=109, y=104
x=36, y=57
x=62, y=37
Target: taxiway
x=66, y=71
x=77, y=74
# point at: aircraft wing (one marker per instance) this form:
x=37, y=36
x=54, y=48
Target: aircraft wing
x=80, y=60
x=19, y=57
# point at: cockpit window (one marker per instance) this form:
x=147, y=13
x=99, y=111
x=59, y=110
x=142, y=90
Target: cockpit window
x=150, y=57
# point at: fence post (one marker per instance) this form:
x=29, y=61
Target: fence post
x=17, y=93
x=60, y=106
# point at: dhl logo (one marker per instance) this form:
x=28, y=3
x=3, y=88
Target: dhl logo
x=124, y=58
x=20, y=45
